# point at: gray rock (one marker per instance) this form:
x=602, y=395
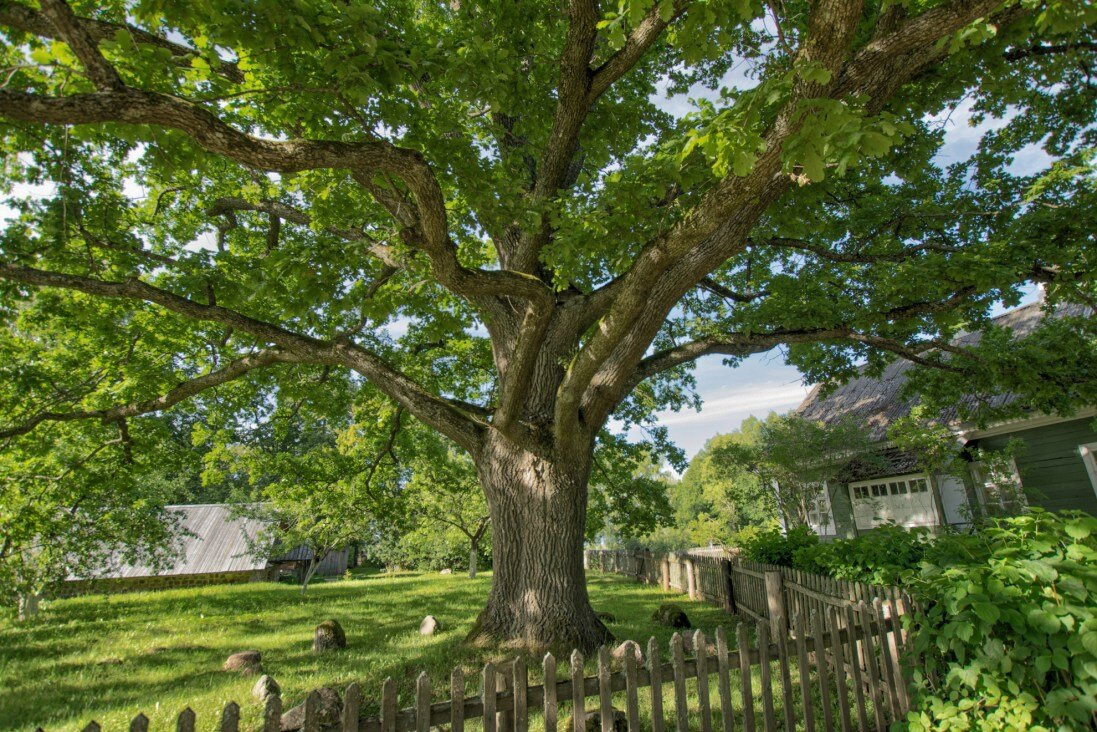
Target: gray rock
x=592, y=721
x=329, y=636
x=619, y=653
x=446, y=571
x=329, y=710
x=265, y=686
x=429, y=626
x=671, y=616
x=688, y=644
x=245, y=662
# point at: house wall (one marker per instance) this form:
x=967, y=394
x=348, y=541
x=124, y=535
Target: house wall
x=160, y=582
x=1051, y=467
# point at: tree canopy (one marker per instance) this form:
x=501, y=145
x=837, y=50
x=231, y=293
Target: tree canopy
x=482, y=211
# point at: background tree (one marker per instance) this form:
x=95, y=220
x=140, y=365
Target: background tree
x=481, y=210
x=795, y=457
x=445, y=498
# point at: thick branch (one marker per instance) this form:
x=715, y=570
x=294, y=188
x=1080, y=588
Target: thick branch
x=183, y=391
x=20, y=17
x=435, y=411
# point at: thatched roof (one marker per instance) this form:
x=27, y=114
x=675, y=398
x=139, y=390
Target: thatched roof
x=876, y=401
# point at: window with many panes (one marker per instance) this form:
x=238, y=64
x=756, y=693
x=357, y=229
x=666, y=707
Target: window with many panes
x=904, y=500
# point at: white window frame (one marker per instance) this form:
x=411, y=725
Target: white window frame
x=886, y=481
x=1088, y=452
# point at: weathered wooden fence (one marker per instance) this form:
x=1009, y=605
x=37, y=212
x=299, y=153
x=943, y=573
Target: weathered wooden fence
x=837, y=669
x=758, y=591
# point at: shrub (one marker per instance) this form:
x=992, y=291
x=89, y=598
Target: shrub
x=1008, y=638
x=881, y=556
x=770, y=546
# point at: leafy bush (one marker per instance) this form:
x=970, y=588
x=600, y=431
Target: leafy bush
x=770, y=546
x=1008, y=638
x=881, y=556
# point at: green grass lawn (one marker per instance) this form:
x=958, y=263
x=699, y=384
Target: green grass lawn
x=107, y=658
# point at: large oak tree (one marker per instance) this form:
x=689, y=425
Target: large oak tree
x=481, y=211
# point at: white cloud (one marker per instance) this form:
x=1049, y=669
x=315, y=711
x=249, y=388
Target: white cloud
x=745, y=400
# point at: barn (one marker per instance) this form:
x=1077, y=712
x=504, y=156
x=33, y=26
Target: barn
x=214, y=547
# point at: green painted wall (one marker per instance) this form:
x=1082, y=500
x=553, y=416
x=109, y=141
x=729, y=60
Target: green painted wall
x=1051, y=466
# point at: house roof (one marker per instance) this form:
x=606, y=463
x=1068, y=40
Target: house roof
x=876, y=402
x=211, y=540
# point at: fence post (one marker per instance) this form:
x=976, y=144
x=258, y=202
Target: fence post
x=775, y=601
x=664, y=570
x=691, y=578
x=729, y=596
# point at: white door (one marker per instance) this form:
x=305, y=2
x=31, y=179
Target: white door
x=954, y=499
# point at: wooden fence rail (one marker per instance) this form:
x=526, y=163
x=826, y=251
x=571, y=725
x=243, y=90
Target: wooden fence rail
x=836, y=671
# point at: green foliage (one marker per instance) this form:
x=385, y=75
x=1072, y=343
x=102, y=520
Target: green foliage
x=1009, y=636
x=773, y=546
x=883, y=556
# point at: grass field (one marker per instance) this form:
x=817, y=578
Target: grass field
x=107, y=658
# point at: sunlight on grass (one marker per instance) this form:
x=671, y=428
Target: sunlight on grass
x=107, y=658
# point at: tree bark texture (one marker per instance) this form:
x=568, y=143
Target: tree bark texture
x=538, y=599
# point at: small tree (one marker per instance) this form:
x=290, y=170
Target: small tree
x=796, y=457
x=444, y=492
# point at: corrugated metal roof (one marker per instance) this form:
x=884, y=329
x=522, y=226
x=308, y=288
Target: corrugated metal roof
x=212, y=540
x=876, y=401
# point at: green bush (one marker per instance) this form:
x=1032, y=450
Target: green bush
x=770, y=546
x=1008, y=637
x=881, y=556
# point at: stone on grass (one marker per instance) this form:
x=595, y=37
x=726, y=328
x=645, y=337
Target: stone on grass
x=246, y=662
x=607, y=618
x=592, y=721
x=329, y=636
x=620, y=652
x=264, y=688
x=688, y=644
x=446, y=571
x=429, y=626
x=671, y=616
x=329, y=710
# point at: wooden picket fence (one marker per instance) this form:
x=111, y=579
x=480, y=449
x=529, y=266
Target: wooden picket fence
x=754, y=590
x=836, y=670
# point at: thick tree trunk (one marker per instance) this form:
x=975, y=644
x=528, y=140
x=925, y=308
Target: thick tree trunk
x=538, y=598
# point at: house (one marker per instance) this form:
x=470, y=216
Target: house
x=214, y=547
x=1057, y=470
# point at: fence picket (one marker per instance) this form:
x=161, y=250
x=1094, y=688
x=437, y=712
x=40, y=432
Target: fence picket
x=871, y=663
x=422, y=703
x=747, y=694
x=352, y=700
x=855, y=667
x=272, y=713
x=889, y=672
x=839, y=658
x=457, y=700
x=388, y=706
x=185, y=721
x=677, y=662
x=786, y=682
x=766, y=676
x=821, y=667
x=312, y=713
x=700, y=653
x=605, y=694
x=655, y=673
x=488, y=695
x=578, y=698
x=548, y=673
x=230, y=718
x=723, y=682
x=632, y=697
x=805, y=675
x=521, y=689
